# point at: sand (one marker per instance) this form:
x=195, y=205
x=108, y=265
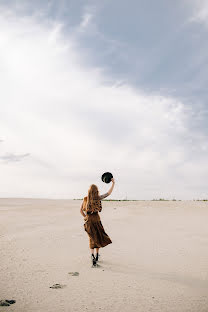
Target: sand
x=158, y=260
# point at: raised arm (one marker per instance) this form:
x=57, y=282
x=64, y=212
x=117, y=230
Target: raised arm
x=110, y=190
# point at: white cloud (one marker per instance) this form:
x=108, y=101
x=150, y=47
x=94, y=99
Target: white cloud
x=10, y=157
x=199, y=11
x=76, y=123
x=86, y=20
x=86, y=23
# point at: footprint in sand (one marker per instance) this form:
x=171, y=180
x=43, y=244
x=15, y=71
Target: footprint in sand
x=56, y=286
x=6, y=302
x=74, y=273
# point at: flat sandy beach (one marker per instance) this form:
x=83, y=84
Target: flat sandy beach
x=158, y=260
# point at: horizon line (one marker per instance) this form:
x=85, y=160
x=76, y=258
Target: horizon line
x=154, y=199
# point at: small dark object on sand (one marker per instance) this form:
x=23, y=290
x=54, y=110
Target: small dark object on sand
x=10, y=301
x=6, y=302
x=56, y=286
x=3, y=303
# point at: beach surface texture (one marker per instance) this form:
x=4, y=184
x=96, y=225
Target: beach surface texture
x=158, y=259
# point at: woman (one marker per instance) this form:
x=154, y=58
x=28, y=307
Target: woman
x=90, y=207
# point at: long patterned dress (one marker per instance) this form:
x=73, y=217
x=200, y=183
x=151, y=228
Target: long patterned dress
x=93, y=226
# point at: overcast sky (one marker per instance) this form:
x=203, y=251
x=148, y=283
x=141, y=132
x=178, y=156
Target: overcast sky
x=94, y=86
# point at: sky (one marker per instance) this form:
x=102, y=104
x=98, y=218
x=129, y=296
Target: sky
x=93, y=86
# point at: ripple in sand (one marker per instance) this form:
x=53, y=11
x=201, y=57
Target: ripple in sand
x=74, y=273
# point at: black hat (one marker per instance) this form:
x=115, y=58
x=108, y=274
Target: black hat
x=106, y=177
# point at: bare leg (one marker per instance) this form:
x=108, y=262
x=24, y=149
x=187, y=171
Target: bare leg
x=97, y=250
x=91, y=244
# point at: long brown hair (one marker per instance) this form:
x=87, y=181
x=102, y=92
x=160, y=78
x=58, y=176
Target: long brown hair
x=93, y=201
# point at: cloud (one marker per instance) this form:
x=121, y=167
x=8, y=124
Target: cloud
x=86, y=25
x=199, y=11
x=77, y=122
x=9, y=157
x=87, y=17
